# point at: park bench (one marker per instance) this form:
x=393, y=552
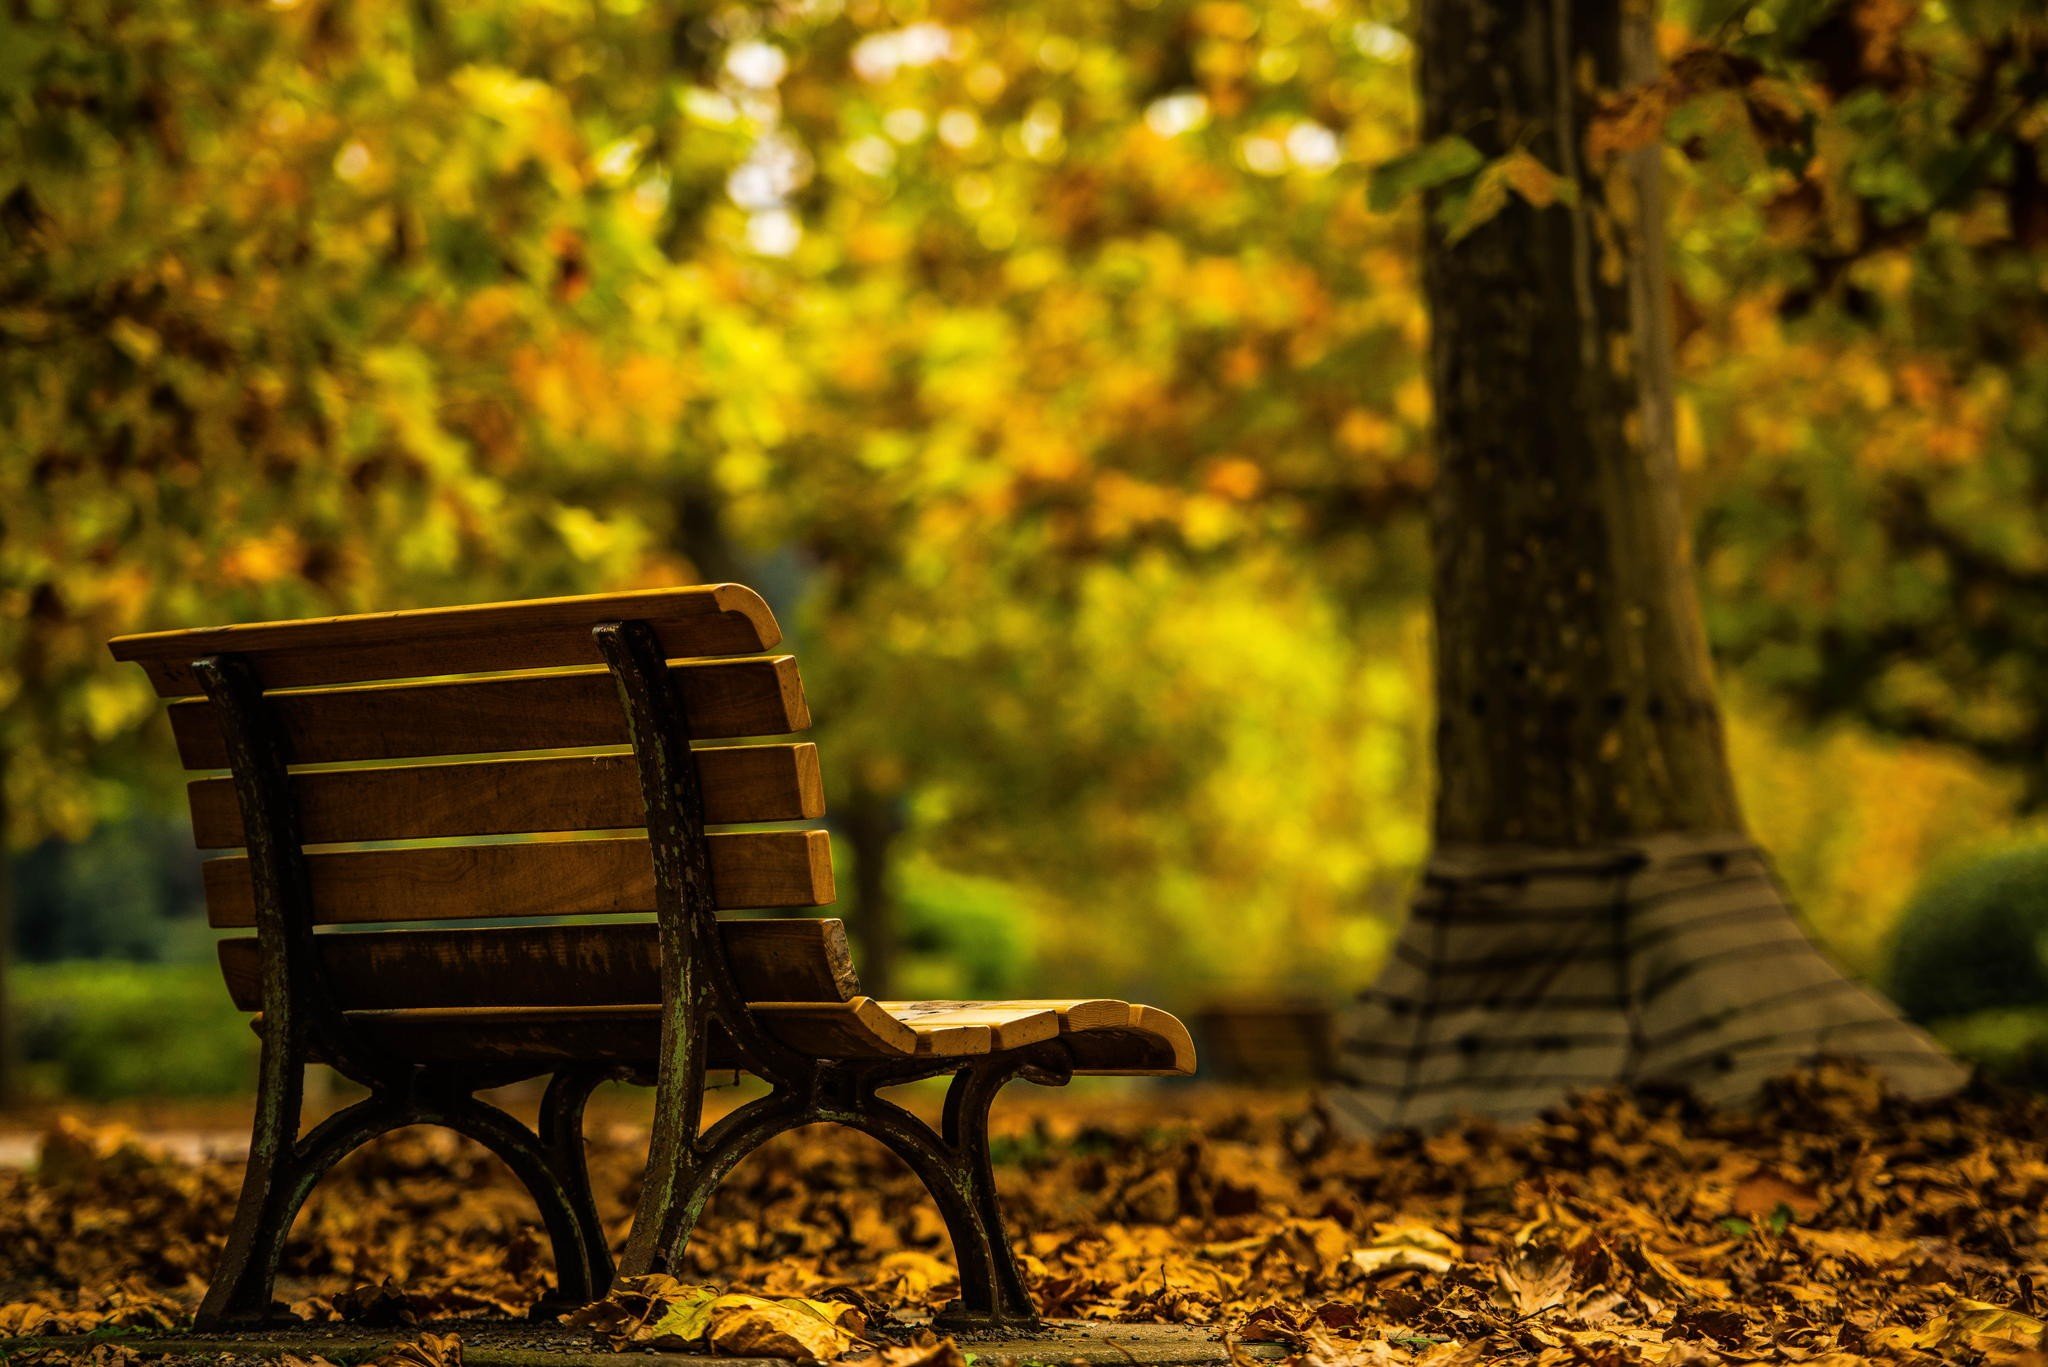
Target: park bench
x=336, y=737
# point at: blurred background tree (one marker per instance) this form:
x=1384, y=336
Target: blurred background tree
x=1057, y=373
x=1594, y=912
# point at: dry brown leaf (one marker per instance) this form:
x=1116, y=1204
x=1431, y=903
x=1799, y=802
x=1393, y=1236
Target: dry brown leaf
x=1760, y=1195
x=428, y=1350
x=801, y=1331
x=1973, y=1324
x=913, y=1277
x=1529, y=1286
x=1867, y=1251
x=926, y=1350
x=1584, y=1239
x=1405, y=1247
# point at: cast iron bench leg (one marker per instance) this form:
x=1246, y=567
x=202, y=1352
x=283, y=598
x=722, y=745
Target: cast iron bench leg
x=561, y=1136
x=283, y=1170
x=1004, y=1303
x=953, y=1163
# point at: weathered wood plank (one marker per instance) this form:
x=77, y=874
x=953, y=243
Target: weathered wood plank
x=856, y=1029
x=786, y=959
x=1007, y=1025
x=540, y=878
x=514, y=796
x=1104, y=1035
x=559, y=711
x=1079, y=1013
x=712, y=619
x=540, y=1036
x=1165, y=1027
x=1151, y=1042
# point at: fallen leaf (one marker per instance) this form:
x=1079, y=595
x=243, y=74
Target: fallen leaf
x=798, y=1330
x=927, y=1350
x=1400, y=1247
x=1971, y=1323
x=916, y=1277
x=656, y=1311
x=1764, y=1191
x=682, y=1323
x=428, y=1350
x=1867, y=1251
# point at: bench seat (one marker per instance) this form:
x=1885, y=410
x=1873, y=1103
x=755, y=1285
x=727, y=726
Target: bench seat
x=538, y=996
x=1104, y=1037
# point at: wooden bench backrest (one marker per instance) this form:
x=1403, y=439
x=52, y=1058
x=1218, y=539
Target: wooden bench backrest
x=370, y=697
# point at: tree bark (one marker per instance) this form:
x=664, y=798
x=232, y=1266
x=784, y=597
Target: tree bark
x=10, y=1051
x=1593, y=912
x=871, y=821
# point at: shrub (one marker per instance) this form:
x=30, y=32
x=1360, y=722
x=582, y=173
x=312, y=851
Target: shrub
x=1972, y=938
x=963, y=936
x=2009, y=1043
x=101, y=1029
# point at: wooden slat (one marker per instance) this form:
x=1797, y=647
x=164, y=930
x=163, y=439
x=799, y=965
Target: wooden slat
x=1081, y=1013
x=1006, y=1026
x=1014, y=1024
x=712, y=619
x=1120, y=1037
x=560, y=711
x=541, y=1036
x=541, y=878
x=1151, y=1042
x=787, y=959
x=1167, y=1029
x=512, y=796
x=856, y=1029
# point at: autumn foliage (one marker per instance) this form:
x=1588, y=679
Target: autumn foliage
x=1069, y=352
x=1833, y=1226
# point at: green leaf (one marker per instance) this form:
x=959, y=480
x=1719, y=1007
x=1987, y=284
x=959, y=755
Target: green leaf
x=1715, y=14
x=1472, y=206
x=1465, y=208
x=1433, y=164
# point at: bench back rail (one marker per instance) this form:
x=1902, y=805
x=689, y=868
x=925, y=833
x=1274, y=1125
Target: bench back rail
x=323, y=728
x=345, y=743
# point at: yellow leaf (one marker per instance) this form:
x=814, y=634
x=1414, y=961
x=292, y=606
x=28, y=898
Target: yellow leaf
x=913, y=1275
x=683, y=1323
x=1970, y=1321
x=1855, y=1246
x=927, y=1351
x=1535, y=182
x=1396, y=1248
x=801, y=1331
x=142, y=343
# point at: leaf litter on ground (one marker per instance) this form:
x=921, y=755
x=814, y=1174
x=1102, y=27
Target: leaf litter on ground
x=1832, y=1226
x=667, y=1315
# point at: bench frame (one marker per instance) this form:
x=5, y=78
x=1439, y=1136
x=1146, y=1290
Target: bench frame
x=685, y=1163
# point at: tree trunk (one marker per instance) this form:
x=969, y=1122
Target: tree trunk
x=868, y=820
x=10, y=1052
x=871, y=821
x=1593, y=912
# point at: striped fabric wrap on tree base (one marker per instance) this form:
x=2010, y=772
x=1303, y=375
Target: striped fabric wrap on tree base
x=1524, y=975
